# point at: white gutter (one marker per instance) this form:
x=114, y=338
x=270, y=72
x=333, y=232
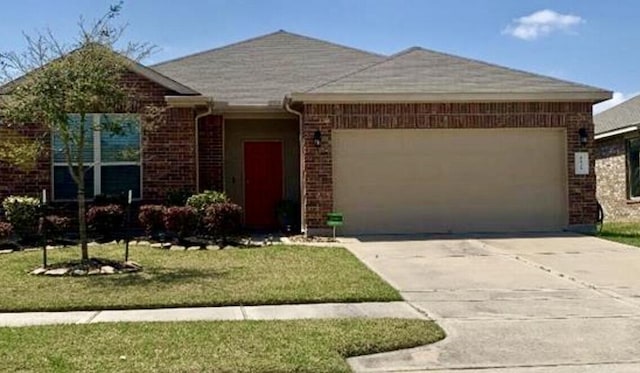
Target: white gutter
x=303, y=195
x=616, y=132
x=409, y=97
x=211, y=105
x=187, y=101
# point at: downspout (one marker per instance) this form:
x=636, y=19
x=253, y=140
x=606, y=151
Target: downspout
x=210, y=106
x=303, y=194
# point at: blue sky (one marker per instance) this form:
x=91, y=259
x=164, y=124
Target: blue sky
x=587, y=41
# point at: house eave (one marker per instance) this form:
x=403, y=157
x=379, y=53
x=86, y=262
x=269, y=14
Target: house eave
x=160, y=79
x=616, y=132
x=188, y=101
x=592, y=97
x=269, y=107
x=224, y=106
x=270, y=110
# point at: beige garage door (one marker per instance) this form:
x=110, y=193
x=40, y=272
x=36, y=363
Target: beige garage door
x=420, y=181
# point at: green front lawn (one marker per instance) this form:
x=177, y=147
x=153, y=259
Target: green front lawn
x=225, y=346
x=626, y=233
x=273, y=275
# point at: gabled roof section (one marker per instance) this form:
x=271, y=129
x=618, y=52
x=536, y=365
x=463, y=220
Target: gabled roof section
x=134, y=67
x=417, y=71
x=624, y=115
x=266, y=68
x=162, y=80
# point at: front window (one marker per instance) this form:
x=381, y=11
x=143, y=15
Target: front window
x=112, y=159
x=633, y=167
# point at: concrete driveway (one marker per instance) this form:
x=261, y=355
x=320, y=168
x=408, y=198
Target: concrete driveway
x=557, y=303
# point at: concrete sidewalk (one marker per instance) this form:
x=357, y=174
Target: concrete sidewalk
x=278, y=312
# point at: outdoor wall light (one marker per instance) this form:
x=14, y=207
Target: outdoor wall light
x=583, y=136
x=317, y=138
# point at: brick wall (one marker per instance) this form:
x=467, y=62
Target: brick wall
x=14, y=181
x=326, y=117
x=169, y=155
x=168, y=149
x=611, y=174
x=210, y=152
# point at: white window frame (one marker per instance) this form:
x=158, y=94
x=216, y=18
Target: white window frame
x=96, y=163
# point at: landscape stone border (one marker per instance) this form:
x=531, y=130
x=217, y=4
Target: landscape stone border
x=95, y=267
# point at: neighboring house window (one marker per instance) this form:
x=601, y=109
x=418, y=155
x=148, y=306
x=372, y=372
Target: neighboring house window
x=112, y=161
x=633, y=167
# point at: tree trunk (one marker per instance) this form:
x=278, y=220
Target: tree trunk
x=82, y=216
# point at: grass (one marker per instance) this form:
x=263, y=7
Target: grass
x=225, y=346
x=626, y=233
x=273, y=275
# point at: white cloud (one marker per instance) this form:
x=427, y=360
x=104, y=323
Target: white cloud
x=618, y=98
x=541, y=23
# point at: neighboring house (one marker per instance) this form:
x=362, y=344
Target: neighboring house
x=416, y=142
x=617, y=160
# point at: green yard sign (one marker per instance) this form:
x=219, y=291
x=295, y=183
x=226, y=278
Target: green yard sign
x=334, y=219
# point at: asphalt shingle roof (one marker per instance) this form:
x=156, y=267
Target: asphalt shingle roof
x=266, y=68
x=620, y=116
x=417, y=70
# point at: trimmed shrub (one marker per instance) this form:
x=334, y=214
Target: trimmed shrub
x=181, y=220
x=55, y=226
x=177, y=197
x=208, y=197
x=151, y=218
x=110, y=199
x=22, y=213
x=6, y=229
x=105, y=220
x=222, y=220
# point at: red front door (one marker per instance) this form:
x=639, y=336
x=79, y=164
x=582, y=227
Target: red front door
x=262, y=183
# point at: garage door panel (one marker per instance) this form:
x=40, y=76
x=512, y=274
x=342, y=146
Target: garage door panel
x=414, y=181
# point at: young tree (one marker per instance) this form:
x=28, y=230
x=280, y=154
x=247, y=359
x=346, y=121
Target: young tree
x=51, y=80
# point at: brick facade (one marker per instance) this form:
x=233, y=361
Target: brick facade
x=611, y=173
x=18, y=182
x=210, y=152
x=169, y=161
x=168, y=149
x=326, y=117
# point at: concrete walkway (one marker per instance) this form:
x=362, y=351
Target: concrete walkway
x=557, y=303
x=279, y=312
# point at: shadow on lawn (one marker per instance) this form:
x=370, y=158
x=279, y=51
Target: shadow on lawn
x=157, y=276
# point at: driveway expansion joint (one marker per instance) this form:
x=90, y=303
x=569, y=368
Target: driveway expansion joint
x=513, y=310
x=606, y=292
x=90, y=319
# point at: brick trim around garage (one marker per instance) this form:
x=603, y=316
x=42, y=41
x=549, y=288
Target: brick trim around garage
x=327, y=117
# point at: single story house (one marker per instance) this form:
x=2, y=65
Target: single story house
x=415, y=142
x=617, y=138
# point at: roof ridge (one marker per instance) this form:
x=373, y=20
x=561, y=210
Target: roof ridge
x=218, y=48
x=407, y=51
x=495, y=65
x=334, y=44
x=281, y=31
x=359, y=70
x=410, y=50
x=389, y=58
x=619, y=106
